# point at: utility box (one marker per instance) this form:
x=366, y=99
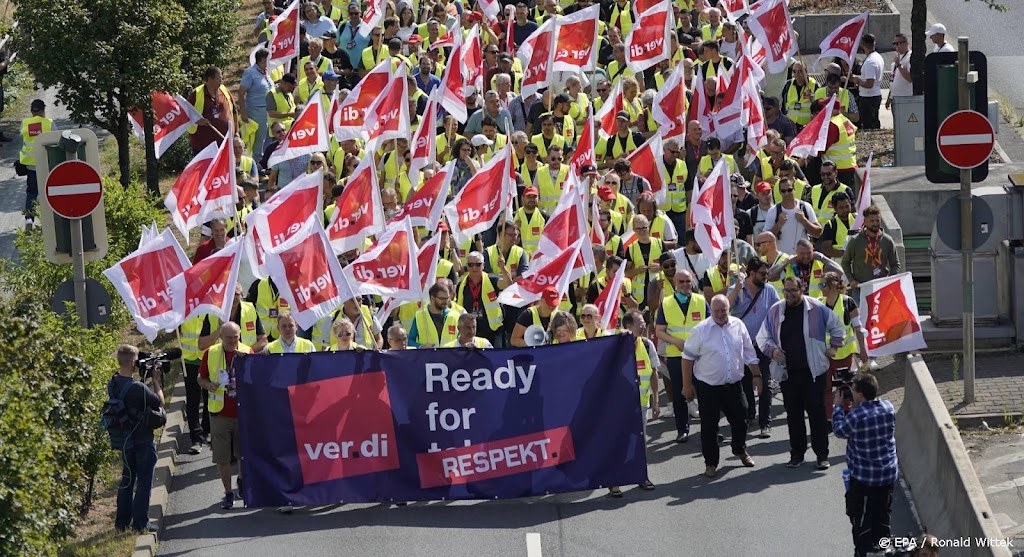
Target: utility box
x=908, y=127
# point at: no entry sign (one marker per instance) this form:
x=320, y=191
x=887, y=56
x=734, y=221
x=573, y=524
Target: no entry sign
x=965, y=139
x=74, y=189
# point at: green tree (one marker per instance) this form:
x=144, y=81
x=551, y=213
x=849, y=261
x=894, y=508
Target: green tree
x=104, y=57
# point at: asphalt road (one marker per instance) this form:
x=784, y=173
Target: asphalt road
x=767, y=510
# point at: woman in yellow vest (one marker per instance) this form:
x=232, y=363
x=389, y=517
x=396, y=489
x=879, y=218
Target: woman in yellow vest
x=834, y=296
x=708, y=161
x=531, y=166
x=590, y=317
x=562, y=328
x=579, y=103
x=31, y=127
x=344, y=333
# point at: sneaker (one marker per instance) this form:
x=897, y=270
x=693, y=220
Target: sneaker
x=823, y=464
x=149, y=528
x=229, y=501
x=795, y=463
x=692, y=407
x=873, y=365
x=766, y=432
x=647, y=485
x=29, y=224
x=615, y=492
x=683, y=437
x=721, y=439
x=285, y=510
x=196, y=448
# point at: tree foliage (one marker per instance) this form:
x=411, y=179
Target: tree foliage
x=104, y=57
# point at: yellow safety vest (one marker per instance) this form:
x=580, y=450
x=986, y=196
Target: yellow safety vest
x=512, y=262
x=842, y=230
x=247, y=324
x=477, y=341
x=633, y=254
x=568, y=129
x=622, y=18
x=821, y=93
x=189, y=334
x=798, y=102
x=849, y=340
x=550, y=191
x=528, y=178
x=659, y=225
x=215, y=363
x=530, y=228
x=680, y=324
x=269, y=307
x=542, y=148
x=708, y=35
x=823, y=208
x=813, y=281
x=644, y=368
x=716, y=279
x=578, y=108
x=427, y=334
x=283, y=102
x=334, y=15
x=201, y=102
x=777, y=284
x=844, y=151
x=612, y=243
x=675, y=184
x=351, y=346
x=581, y=333
x=370, y=60
x=444, y=268
x=500, y=140
x=489, y=297
x=321, y=65
x=302, y=346
x=706, y=164
x=305, y=90
x=618, y=149
x=30, y=128
x=248, y=131
x=798, y=190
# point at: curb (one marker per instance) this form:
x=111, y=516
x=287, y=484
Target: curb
x=973, y=421
x=167, y=451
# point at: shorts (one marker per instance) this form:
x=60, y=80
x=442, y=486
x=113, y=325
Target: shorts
x=225, y=439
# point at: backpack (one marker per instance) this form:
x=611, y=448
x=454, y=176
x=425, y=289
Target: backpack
x=116, y=418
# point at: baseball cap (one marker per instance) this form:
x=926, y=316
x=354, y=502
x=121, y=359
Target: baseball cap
x=414, y=39
x=622, y=114
x=587, y=168
x=481, y=139
x=329, y=36
x=666, y=256
x=551, y=296
x=531, y=191
x=474, y=16
x=606, y=193
x=289, y=79
x=762, y=187
x=937, y=29
x=330, y=75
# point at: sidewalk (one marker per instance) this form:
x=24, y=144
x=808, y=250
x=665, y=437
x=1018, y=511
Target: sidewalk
x=997, y=456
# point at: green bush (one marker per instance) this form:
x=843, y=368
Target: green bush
x=177, y=156
x=53, y=382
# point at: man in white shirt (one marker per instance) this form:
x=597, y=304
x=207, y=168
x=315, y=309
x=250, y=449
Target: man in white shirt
x=791, y=219
x=713, y=361
x=901, y=84
x=870, y=82
x=937, y=34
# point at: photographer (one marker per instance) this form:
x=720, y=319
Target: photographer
x=138, y=451
x=869, y=426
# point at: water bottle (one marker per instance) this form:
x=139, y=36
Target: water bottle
x=846, y=479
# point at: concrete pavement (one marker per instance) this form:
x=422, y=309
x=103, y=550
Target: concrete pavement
x=768, y=510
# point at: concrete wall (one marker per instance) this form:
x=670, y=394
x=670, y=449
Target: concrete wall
x=813, y=28
x=948, y=496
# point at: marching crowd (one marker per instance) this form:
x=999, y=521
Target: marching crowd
x=777, y=312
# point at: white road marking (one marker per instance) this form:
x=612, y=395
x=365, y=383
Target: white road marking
x=533, y=545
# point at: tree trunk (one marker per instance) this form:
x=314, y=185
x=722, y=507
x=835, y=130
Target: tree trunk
x=152, y=170
x=918, y=43
x=123, y=157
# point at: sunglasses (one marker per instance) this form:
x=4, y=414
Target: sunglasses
x=471, y=265
x=344, y=335
x=602, y=90
x=790, y=190
x=588, y=316
x=639, y=228
x=316, y=163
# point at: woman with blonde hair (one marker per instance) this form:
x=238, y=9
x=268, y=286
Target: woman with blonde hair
x=317, y=161
x=343, y=332
x=579, y=102
x=562, y=328
x=590, y=317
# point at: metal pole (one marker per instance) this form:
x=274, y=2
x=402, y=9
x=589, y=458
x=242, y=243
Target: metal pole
x=78, y=266
x=966, y=234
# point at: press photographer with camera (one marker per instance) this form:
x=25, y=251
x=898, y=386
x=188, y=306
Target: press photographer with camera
x=869, y=426
x=134, y=410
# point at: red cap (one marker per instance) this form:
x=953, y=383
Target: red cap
x=530, y=191
x=551, y=296
x=442, y=226
x=475, y=16
x=762, y=187
x=606, y=193
x=414, y=39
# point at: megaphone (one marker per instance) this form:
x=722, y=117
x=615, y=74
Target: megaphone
x=535, y=335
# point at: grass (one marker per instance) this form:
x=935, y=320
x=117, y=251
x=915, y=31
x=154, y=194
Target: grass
x=95, y=535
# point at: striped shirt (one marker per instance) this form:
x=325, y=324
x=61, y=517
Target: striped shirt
x=871, y=443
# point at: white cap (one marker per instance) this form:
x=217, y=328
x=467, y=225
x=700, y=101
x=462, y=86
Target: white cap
x=937, y=29
x=481, y=139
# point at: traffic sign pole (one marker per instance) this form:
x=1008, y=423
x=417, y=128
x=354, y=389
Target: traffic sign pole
x=966, y=234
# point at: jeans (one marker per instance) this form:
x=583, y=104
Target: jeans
x=137, y=463
x=802, y=395
x=869, y=508
x=195, y=396
x=31, y=191
x=712, y=402
x=763, y=409
x=679, y=409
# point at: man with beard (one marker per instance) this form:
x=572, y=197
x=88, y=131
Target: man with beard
x=435, y=324
x=837, y=230
x=871, y=254
x=750, y=301
x=822, y=195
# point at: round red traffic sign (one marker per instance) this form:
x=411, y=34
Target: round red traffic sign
x=74, y=189
x=965, y=139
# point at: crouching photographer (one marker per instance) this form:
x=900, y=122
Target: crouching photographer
x=133, y=410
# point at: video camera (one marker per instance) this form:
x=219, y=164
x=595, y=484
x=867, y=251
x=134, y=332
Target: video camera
x=149, y=362
x=843, y=382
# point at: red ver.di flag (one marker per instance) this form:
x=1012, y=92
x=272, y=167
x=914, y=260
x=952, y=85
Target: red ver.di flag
x=893, y=324
x=308, y=275
x=208, y=287
x=844, y=41
x=425, y=204
x=479, y=203
x=814, y=137
x=388, y=116
x=358, y=211
x=426, y=260
x=142, y=280
x=535, y=53
x=648, y=42
x=712, y=212
x=575, y=41
x=648, y=161
x=424, y=140
x=350, y=115
x=281, y=217
x=389, y=268
x=284, y=38
x=307, y=135
x=557, y=272
x=770, y=25
x=185, y=200
x=219, y=185
x=669, y=109
x=172, y=116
